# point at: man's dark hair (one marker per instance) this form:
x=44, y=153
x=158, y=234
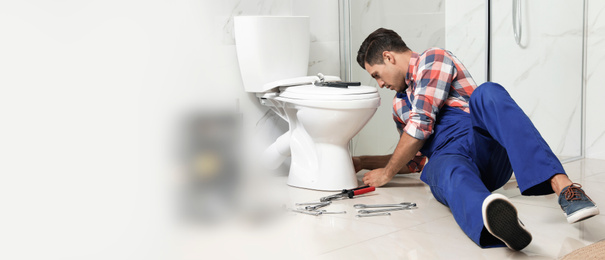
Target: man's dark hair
x=376, y=43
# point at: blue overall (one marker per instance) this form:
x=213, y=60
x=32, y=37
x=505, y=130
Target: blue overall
x=471, y=155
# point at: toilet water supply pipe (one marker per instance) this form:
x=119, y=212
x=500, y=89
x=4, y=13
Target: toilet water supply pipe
x=274, y=105
x=277, y=152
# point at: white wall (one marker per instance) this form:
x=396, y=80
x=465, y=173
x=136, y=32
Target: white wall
x=595, y=81
x=93, y=99
x=544, y=76
x=465, y=35
x=421, y=25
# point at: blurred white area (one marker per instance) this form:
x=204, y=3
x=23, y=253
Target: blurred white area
x=93, y=99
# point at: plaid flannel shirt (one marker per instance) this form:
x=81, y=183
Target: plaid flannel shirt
x=435, y=78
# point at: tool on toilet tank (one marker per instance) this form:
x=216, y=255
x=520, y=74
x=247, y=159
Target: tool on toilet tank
x=348, y=193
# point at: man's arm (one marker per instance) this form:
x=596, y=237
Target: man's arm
x=404, y=152
x=372, y=162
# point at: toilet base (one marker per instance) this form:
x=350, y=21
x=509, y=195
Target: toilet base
x=349, y=183
x=332, y=170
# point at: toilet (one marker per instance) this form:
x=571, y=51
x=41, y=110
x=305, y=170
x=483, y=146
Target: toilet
x=323, y=113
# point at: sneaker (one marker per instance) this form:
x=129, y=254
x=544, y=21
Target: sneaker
x=501, y=220
x=576, y=204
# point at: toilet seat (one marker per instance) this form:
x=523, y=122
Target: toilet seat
x=304, y=88
x=302, y=91
x=312, y=92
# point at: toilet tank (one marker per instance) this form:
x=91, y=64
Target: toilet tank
x=271, y=48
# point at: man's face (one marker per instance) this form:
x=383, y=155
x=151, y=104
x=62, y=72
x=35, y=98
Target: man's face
x=387, y=75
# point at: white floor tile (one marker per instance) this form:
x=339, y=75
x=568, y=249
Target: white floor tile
x=427, y=232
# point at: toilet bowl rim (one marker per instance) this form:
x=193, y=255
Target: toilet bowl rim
x=369, y=102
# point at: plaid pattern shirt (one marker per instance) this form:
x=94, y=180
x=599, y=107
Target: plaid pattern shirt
x=435, y=78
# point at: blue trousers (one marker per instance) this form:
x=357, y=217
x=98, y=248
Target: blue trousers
x=471, y=155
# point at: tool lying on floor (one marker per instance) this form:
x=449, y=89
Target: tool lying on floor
x=365, y=211
x=373, y=215
x=403, y=204
x=332, y=212
x=320, y=205
x=312, y=208
x=315, y=212
x=384, y=208
x=348, y=193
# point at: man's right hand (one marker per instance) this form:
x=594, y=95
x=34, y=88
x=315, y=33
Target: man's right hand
x=377, y=177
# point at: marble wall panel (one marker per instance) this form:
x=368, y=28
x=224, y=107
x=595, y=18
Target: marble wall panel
x=465, y=35
x=564, y=137
x=421, y=25
x=595, y=80
x=544, y=74
x=325, y=47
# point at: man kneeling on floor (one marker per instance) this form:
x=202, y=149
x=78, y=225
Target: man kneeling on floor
x=474, y=136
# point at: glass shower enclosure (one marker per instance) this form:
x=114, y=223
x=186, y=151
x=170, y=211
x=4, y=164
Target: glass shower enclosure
x=536, y=53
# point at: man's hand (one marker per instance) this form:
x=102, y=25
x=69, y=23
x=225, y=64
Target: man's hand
x=377, y=178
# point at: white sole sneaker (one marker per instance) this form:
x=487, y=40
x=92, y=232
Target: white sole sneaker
x=501, y=219
x=582, y=214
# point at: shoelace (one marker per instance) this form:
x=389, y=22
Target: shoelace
x=574, y=192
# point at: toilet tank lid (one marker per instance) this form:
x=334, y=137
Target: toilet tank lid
x=300, y=81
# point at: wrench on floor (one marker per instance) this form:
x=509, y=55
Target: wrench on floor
x=403, y=204
x=363, y=211
x=373, y=215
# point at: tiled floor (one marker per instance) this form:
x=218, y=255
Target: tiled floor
x=428, y=232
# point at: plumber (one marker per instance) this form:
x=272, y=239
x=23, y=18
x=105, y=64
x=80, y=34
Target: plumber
x=474, y=137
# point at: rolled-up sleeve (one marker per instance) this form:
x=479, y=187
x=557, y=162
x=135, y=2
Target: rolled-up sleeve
x=436, y=70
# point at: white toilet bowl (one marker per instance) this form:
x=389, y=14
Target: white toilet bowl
x=322, y=119
x=322, y=122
